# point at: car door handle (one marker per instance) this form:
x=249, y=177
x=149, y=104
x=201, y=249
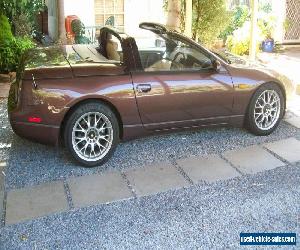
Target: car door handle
x=143, y=88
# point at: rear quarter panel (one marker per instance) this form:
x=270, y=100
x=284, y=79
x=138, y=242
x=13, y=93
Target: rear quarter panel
x=54, y=97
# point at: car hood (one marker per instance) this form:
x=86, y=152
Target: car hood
x=255, y=71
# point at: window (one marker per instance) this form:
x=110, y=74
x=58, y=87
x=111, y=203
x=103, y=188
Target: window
x=110, y=12
x=170, y=53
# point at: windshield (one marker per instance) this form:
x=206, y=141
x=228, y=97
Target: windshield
x=229, y=57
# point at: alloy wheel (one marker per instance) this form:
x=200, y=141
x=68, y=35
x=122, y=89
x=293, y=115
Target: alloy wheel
x=267, y=110
x=92, y=136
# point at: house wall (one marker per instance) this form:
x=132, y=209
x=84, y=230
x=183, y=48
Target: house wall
x=278, y=10
x=137, y=11
x=84, y=9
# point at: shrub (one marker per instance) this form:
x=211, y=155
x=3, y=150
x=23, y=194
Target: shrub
x=239, y=42
x=79, y=29
x=11, y=49
x=5, y=28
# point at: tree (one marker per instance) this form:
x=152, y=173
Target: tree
x=174, y=12
x=61, y=22
x=16, y=10
x=210, y=18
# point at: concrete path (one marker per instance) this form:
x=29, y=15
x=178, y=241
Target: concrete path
x=4, y=90
x=55, y=197
x=287, y=65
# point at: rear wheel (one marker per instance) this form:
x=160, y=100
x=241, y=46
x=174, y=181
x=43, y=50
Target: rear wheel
x=266, y=109
x=92, y=134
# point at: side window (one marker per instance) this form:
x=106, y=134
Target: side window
x=167, y=53
x=186, y=57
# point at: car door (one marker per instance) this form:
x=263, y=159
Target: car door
x=185, y=96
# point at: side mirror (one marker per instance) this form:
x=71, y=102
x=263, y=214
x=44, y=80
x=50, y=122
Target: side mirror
x=217, y=65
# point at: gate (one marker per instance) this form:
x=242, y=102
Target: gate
x=292, y=35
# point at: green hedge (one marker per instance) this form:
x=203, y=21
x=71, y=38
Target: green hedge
x=12, y=49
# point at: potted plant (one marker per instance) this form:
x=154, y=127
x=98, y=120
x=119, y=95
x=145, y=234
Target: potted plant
x=78, y=29
x=267, y=27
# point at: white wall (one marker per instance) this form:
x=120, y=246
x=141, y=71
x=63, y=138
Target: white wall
x=137, y=11
x=84, y=9
x=278, y=10
x=52, y=18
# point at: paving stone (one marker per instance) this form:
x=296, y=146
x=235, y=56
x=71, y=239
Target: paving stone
x=207, y=168
x=33, y=202
x=288, y=149
x=98, y=189
x=155, y=179
x=252, y=159
x=294, y=121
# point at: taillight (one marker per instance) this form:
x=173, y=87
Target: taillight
x=34, y=119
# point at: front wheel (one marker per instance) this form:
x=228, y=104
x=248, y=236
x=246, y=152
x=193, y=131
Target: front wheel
x=92, y=133
x=266, y=109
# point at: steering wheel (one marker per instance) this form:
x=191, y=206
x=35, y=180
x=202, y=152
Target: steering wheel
x=176, y=63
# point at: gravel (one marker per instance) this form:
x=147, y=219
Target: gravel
x=202, y=216
x=31, y=163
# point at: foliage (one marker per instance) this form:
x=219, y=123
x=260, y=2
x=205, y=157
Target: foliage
x=12, y=49
x=79, y=29
x=239, y=17
x=267, y=27
x=5, y=28
x=239, y=42
x=210, y=18
x=265, y=7
x=14, y=9
x=22, y=26
x=12, y=53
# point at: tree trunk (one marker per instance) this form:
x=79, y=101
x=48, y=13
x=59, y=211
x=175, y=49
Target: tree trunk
x=197, y=20
x=173, y=19
x=253, y=32
x=188, y=17
x=61, y=22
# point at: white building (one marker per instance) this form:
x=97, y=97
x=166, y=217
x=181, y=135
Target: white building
x=127, y=14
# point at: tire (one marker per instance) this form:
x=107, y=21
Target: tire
x=259, y=119
x=91, y=134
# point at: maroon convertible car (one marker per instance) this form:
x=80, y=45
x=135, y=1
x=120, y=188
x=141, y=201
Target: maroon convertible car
x=91, y=97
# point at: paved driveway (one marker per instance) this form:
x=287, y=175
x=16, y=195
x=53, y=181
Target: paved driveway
x=192, y=189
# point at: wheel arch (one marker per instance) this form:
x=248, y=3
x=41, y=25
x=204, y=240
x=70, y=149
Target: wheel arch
x=89, y=100
x=280, y=85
